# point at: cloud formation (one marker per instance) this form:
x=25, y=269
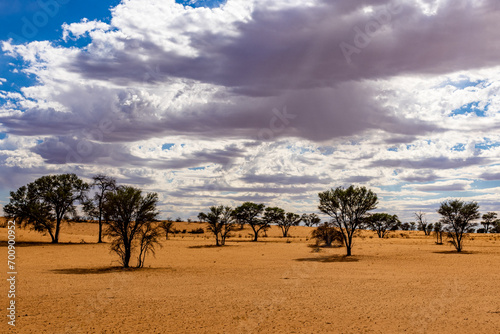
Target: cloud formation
x=282, y=98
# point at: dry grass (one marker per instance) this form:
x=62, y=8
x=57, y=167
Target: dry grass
x=401, y=284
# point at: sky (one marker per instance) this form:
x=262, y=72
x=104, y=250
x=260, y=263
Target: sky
x=221, y=102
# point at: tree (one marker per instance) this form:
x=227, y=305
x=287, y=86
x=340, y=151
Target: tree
x=248, y=213
x=438, y=229
x=458, y=217
x=488, y=219
x=405, y=226
x=95, y=207
x=132, y=216
x=290, y=219
x=274, y=215
x=348, y=208
x=310, y=219
x=412, y=226
x=422, y=223
x=382, y=223
x=328, y=234
x=149, y=236
x=167, y=226
x=220, y=222
x=46, y=202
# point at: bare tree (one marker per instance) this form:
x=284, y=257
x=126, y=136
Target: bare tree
x=348, y=208
x=488, y=219
x=220, y=221
x=422, y=223
x=130, y=213
x=95, y=207
x=248, y=213
x=46, y=202
x=310, y=219
x=382, y=223
x=458, y=217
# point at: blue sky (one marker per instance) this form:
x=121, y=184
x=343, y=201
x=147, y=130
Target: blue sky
x=219, y=102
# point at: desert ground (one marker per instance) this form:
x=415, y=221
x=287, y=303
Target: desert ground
x=403, y=284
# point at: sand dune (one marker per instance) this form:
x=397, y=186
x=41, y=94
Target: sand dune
x=400, y=284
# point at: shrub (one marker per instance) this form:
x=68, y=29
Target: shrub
x=326, y=233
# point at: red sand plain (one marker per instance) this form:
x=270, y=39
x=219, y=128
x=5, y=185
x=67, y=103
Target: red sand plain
x=403, y=284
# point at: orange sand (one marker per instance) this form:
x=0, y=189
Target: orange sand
x=393, y=285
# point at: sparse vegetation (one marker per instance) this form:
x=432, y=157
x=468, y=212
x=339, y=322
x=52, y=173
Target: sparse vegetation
x=458, y=218
x=94, y=207
x=220, y=221
x=46, y=202
x=382, y=223
x=248, y=213
x=348, y=208
x=132, y=222
x=327, y=234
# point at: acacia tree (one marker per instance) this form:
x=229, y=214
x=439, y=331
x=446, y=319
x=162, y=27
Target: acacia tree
x=95, y=207
x=488, y=219
x=310, y=219
x=290, y=219
x=220, y=221
x=458, y=217
x=131, y=223
x=348, y=208
x=422, y=223
x=44, y=203
x=167, y=226
x=248, y=213
x=382, y=223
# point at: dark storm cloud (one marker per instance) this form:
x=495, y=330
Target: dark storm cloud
x=63, y=150
x=300, y=48
x=280, y=58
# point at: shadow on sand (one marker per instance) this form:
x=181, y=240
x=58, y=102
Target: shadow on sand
x=46, y=243
x=329, y=258
x=453, y=252
x=102, y=270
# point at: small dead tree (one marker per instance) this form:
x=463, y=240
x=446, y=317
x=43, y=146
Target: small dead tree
x=422, y=223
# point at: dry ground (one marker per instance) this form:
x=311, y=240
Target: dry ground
x=395, y=285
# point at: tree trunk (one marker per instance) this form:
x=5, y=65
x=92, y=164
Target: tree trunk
x=55, y=240
x=100, y=230
x=348, y=250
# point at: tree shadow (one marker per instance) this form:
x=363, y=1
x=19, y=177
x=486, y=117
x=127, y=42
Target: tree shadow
x=454, y=252
x=46, y=243
x=102, y=270
x=329, y=259
x=210, y=246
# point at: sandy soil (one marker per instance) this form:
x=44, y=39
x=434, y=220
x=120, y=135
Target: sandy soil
x=400, y=284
